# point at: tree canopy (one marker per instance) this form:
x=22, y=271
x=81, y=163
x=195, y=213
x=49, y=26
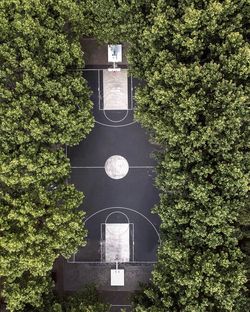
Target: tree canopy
x=45, y=105
x=86, y=300
x=193, y=57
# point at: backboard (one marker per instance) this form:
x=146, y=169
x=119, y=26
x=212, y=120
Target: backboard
x=114, y=53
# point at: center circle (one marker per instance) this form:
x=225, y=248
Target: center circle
x=116, y=167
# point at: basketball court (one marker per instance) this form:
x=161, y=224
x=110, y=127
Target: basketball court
x=115, y=169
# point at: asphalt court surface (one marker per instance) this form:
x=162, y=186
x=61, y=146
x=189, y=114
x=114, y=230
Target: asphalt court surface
x=133, y=195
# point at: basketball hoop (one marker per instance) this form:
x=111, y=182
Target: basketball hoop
x=114, y=68
x=114, y=56
x=114, y=53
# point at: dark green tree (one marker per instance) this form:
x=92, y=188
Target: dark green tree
x=193, y=57
x=43, y=97
x=87, y=300
x=44, y=105
x=116, y=21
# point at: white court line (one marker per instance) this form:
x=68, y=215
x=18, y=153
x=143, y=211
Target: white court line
x=89, y=167
x=103, y=167
x=105, y=247
x=129, y=209
x=129, y=109
x=101, y=244
x=99, y=90
x=101, y=109
x=123, y=118
x=141, y=167
x=103, y=68
x=133, y=242
x=108, y=263
x=115, y=126
x=131, y=91
x=116, y=212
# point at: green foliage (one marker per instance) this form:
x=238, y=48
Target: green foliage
x=44, y=105
x=116, y=21
x=193, y=57
x=28, y=288
x=244, y=220
x=86, y=300
x=43, y=98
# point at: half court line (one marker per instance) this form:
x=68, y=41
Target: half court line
x=87, y=167
x=103, y=167
x=141, y=167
